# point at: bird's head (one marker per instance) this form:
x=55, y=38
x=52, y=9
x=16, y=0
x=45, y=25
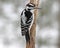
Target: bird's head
x=30, y=6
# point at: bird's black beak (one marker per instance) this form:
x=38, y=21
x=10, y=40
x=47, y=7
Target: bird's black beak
x=37, y=8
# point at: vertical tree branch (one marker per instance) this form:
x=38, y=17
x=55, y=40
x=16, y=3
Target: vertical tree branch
x=59, y=25
x=59, y=29
x=59, y=32
x=33, y=29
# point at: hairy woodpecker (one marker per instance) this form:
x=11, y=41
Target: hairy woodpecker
x=27, y=19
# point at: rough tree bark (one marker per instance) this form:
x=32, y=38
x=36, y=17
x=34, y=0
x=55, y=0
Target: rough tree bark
x=59, y=30
x=59, y=25
x=33, y=29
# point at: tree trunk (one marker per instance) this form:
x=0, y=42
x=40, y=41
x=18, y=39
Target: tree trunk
x=59, y=25
x=33, y=29
x=59, y=30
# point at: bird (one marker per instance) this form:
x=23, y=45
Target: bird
x=27, y=19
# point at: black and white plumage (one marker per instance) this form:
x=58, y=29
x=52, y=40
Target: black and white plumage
x=27, y=18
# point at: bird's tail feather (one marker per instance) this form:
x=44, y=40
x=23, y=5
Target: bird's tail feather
x=27, y=36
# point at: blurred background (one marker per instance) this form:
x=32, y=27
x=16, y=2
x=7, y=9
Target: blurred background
x=47, y=28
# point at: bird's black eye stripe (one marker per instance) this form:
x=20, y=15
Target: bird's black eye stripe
x=29, y=5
